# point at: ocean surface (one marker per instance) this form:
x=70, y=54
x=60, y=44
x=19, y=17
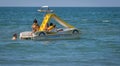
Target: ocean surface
x=99, y=43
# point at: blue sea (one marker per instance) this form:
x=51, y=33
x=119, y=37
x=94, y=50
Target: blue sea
x=99, y=43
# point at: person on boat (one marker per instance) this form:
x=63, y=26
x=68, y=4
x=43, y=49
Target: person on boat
x=46, y=27
x=51, y=27
x=35, y=26
x=14, y=37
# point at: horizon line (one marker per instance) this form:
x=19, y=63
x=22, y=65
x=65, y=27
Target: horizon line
x=60, y=6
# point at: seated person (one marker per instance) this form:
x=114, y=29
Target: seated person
x=51, y=27
x=35, y=26
x=46, y=27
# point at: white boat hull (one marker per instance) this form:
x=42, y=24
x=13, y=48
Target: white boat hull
x=26, y=35
x=66, y=34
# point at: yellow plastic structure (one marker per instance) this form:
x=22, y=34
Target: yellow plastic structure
x=48, y=16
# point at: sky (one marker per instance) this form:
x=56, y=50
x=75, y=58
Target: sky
x=60, y=3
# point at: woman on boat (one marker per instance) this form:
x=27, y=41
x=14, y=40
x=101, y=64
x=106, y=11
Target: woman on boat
x=35, y=26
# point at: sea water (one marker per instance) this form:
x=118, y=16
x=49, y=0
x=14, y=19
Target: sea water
x=99, y=43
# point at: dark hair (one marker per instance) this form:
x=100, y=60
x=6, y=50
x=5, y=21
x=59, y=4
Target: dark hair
x=51, y=24
x=15, y=35
x=35, y=21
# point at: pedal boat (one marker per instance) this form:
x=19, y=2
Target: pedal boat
x=67, y=32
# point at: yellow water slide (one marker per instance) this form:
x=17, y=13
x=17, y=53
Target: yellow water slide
x=58, y=19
